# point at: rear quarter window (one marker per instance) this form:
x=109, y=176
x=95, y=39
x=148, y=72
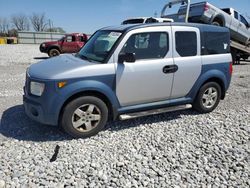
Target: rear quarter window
x=216, y=43
x=186, y=43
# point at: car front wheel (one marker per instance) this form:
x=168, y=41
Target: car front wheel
x=53, y=52
x=208, y=97
x=84, y=117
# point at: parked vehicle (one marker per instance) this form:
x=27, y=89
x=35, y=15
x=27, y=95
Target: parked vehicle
x=70, y=43
x=140, y=20
x=130, y=71
x=207, y=13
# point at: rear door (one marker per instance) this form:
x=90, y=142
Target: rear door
x=80, y=41
x=148, y=79
x=231, y=21
x=239, y=33
x=243, y=29
x=187, y=58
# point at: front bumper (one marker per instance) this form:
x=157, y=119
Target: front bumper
x=36, y=112
x=43, y=49
x=40, y=109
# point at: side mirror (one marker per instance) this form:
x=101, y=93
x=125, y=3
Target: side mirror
x=126, y=57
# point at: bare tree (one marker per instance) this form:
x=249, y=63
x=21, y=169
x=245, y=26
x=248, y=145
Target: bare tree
x=56, y=29
x=4, y=26
x=39, y=21
x=20, y=22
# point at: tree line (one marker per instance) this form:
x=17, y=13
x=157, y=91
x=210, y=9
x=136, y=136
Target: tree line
x=21, y=22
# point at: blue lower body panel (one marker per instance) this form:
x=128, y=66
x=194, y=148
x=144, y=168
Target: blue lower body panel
x=36, y=112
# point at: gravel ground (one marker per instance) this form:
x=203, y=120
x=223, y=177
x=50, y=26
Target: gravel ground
x=180, y=149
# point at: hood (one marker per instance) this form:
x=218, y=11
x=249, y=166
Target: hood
x=61, y=67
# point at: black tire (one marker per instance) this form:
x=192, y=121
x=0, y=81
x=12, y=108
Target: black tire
x=53, y=52
x=199, y=105
x=216, y=23
x=69, y=117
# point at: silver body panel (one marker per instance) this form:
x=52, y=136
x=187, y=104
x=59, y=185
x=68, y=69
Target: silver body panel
x=217, y=58
x=144, y=80
x=189, y=68
x=238, y=30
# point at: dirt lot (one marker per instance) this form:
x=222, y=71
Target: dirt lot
x=180, y=149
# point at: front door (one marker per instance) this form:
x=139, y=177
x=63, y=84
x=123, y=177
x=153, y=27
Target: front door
x=69, y=45
x=149, y=78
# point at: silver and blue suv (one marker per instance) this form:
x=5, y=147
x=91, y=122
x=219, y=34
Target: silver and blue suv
x=130, y=69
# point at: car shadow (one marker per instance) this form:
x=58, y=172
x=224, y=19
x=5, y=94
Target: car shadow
x=41, y=58
x=15, y=124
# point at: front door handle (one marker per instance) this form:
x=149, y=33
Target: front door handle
x=170, y=69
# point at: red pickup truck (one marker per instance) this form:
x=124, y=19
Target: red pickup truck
x=70, y=43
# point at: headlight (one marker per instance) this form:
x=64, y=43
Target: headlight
x=37, y=88
x=43, y=44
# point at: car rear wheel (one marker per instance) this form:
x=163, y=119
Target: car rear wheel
x=216, y=23
x=53, y=52
x=208, y=97
x=84, y=117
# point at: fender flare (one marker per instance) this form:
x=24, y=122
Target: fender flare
x=205, y=77
x=80, y=87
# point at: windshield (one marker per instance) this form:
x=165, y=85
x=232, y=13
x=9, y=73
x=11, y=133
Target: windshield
x=61, y=39
x=99, y=46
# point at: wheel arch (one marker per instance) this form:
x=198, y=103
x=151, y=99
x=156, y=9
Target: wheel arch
x=220, y=82
x=54, y=47
x=112, y=111
x=220, y=19
x=218, y=78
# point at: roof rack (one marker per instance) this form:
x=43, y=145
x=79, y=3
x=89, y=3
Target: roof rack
x=175, y=2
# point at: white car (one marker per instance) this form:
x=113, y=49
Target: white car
x=142, y=20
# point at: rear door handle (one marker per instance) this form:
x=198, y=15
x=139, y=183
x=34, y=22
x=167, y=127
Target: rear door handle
x=169, y=69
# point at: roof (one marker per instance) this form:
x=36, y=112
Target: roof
x=202, y=27
x=147, y=18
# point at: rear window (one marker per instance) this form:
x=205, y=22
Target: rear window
x=227, y=10
x=151, y=20
x=216, y=43
x=133, y=21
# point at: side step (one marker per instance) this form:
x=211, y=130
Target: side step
x=153, y=112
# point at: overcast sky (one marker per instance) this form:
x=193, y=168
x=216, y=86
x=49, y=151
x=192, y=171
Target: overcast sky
x=89, y=15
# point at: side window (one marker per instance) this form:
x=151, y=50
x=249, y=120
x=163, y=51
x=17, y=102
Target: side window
x=69, y=38
x=82, y=39
x=153, y=45
x=186, y=43
x=243, y=20
x=227, y=10
x=236, y=15
x=216, y=43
